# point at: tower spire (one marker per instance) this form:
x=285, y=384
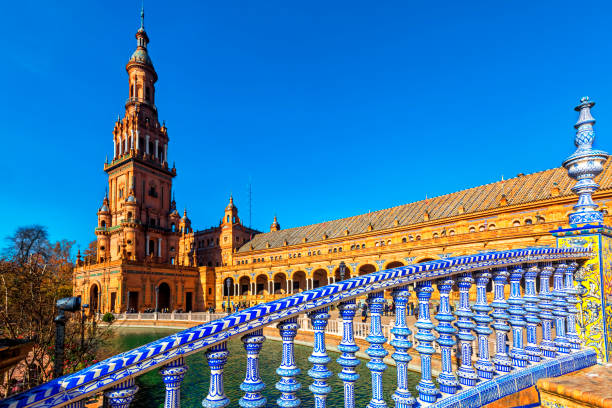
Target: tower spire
x=142, y=16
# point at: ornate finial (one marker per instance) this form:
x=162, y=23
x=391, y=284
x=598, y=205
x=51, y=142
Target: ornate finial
x=584, y=165
x=142, y=16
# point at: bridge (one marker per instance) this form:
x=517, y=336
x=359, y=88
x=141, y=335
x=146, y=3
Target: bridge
x=545, y=313
x=473, y=383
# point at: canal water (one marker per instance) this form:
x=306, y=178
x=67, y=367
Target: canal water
x=195, y=384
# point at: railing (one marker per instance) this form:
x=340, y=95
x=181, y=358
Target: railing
x=471, y=384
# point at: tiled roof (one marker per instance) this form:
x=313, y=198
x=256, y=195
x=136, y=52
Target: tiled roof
x=518, y=190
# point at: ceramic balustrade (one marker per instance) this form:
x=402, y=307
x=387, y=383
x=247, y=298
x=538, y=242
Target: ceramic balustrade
x=455, y=336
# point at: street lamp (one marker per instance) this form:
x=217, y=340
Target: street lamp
x=342, y=270
x=69, y=304
x=83, y=307
x=227, y=286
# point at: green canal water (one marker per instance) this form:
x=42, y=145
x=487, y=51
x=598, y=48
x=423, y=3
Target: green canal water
x=195, y=384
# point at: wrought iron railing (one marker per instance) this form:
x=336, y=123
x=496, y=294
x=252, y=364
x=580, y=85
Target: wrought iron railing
x=496, y=372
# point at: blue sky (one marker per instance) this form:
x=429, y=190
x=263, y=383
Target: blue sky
x=330, y=109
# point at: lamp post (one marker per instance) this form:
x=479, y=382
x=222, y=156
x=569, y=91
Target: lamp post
x=85, y=306
x=156, y=298
x=69, y=304
x=227, y=286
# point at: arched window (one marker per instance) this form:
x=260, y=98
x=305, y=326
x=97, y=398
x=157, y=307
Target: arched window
x=491, y=227
x=129, y=215
x=528, y=221
x=227, y=219
x=481, y=228
x=451, y=233
x=472, y=229
x=173, y=227
x=234, y=219
x=516, y=223
x=147, y=93
x=418, y=237
x=404, y=240
x=435, y=235
x=103, y=223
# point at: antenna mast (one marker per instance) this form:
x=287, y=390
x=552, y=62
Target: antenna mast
x=250, y=204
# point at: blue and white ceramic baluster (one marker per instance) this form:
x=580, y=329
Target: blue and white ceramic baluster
x=376, y=351
x=548, y=347
x=76, y=404
x=348, y=348
x=560, y=313
x=534, y=353
x=121, y=395
x=466, y=373
x=216, y=357
x=517, y=319
x=501, y=360
x=288, y=385
x=426, y=387
x=173, y=374
x=484, y=367
x=252, y=384
x=572, y=310
x=446, y=339
x=319, y=358
x=402, y=396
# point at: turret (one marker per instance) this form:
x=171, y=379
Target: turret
x=275, y=225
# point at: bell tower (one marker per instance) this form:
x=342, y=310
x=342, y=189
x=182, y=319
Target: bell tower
x=140, y=223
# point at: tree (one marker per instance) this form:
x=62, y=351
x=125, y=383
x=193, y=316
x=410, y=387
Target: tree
x=34, y=274
x=90, y=254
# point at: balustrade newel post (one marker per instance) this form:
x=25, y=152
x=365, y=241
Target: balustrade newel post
x=560, y=313
x=483, y=365
x=252, y=384
x=426, y=387
x=402, y=396
x=173, y=374
x=348, y=348
x=288, y=370
x=465, y=324
x=121, y=395
x=376, y=351
x=447, y=380
x=319, y=358
x=501, y=360
x=548, y=347
x=517, y=319
x=534, y=353
x=216, y=357
x=572, y=299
